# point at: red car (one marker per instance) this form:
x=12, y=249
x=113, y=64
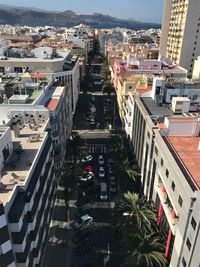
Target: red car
x=89, y=168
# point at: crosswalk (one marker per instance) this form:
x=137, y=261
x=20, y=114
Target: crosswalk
x=99, y=149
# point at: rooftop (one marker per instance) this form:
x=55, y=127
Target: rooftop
x=187, y=150
x=20, y=163
x=155, y=109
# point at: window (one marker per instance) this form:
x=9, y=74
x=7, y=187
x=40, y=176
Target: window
x=148, y=134
x=194, y=97
x=193, y=54
x=184, y=262
x=130, y=87
x=193, y=223
x=188, y=244
x=162, y=162
x=173, y=186
x=156, y=150
x=167, y=173
x=180, y=201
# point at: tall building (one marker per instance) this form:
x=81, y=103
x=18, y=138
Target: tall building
x=180, y=32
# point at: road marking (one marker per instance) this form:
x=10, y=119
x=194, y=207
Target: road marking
x=96, y=205
x=101, y=224
x=61, y=224
x=103, y=251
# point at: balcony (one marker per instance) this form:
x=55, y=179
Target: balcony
x=167, y=207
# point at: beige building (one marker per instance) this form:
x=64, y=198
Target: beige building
x=180, y=32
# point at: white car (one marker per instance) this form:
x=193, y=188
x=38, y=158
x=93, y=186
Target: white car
x=103, y=191
x=100, y=160
x=92, y=121
x=89, y=176
x=83, y=222
x=101, y=172
x=87, y=158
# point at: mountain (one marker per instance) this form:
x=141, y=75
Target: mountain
x=37, y=17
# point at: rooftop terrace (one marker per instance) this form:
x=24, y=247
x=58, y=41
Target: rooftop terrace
x=19, y=164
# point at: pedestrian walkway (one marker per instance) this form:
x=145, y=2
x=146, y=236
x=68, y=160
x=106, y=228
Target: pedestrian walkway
x=95, y=205
x=97, y=148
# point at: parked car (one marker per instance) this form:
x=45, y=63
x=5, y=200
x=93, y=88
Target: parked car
x=83, y=222
x=103, y=191
x=101, y=172
x=89, y=168
x=92, y=122
x=79, y=237
x=112, y=178
x=89, y=176
x=110, y=163
x=110, y=171
x=100, y=160
x=87, y=158
x=112, y=187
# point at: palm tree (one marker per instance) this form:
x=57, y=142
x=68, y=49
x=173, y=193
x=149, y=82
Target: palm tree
x=142, y=250
x=77, y=146
x=125, y=169
x=135, y=213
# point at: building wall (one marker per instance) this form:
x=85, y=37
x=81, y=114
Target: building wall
x=30, y=213
x=6, y=250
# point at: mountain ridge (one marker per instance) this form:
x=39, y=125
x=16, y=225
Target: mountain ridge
x=37, y=17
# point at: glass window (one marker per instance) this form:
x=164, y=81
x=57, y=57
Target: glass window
x=180, y=201
x=193, y=223
x=173, y=186
x=188, y=244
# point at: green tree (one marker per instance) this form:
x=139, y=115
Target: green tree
x=125, y=169
x=134, y=212
x=77, y=146
x=141, y=250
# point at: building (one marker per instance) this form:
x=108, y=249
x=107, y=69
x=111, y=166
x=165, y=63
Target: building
x=46, y=62
x=167, y=148
x=32, y=154
x=180, y=32
x=27, y=192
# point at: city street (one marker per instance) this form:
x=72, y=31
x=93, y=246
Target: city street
x=60, y=249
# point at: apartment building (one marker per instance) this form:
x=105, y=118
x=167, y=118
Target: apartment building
x=167, y=148
x=180, y=32
x=32, y=153
x=135, y=75
x=27, y=191
x=48, y=63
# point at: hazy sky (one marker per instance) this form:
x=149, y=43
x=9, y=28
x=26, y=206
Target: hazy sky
x=143, y=10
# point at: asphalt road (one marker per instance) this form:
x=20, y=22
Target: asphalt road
x=60, y=250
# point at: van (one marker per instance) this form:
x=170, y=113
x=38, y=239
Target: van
x=103, y=191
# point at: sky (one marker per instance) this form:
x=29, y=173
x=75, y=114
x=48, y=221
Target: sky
x=141, y=10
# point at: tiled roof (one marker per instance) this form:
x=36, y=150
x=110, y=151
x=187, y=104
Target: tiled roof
x=187, y=150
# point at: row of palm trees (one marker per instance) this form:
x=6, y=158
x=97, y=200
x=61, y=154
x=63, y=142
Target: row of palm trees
x=135, y=218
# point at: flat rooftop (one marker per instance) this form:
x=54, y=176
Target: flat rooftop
x=17, y=167
x=187, y=150
x=154, y=109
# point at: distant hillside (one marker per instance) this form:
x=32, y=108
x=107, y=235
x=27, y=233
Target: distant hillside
x=36, y=17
